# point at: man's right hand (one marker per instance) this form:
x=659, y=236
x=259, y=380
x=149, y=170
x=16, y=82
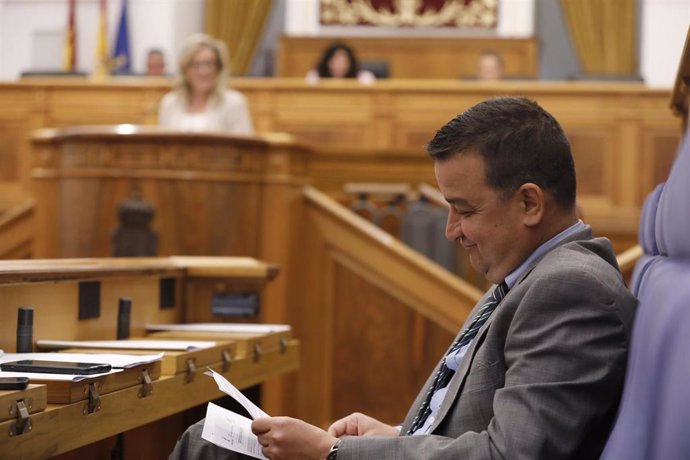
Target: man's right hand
x=361, y=425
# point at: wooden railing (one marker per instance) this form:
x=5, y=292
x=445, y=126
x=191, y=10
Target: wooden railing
x=433, y=195
x=17, y=231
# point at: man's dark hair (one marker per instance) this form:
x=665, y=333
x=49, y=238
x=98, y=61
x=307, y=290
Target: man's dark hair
x=322, y=66
x=519, y=141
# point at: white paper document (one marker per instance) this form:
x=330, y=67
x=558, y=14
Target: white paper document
x=232, y=391
x=246, y=328
x=230, y=431
x=143, y=344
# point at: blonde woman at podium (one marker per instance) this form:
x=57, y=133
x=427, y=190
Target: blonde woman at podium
x=201, y=101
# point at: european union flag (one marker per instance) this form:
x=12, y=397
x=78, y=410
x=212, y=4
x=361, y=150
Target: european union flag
x=122, y=59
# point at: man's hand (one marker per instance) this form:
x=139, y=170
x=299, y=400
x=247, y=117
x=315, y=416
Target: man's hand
x=361, y=425
x=285, y=438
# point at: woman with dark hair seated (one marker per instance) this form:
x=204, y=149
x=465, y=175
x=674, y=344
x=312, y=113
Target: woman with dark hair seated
x=339, y=61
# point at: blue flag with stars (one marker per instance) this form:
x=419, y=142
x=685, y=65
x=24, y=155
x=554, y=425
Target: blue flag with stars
x=122, y=59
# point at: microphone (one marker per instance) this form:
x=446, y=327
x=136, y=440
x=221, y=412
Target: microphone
x=25, y=330
x=123, y=313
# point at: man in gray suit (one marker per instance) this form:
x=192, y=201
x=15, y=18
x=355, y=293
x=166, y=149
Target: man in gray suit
x=537, y=369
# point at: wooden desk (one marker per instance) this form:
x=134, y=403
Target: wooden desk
x=52, y=288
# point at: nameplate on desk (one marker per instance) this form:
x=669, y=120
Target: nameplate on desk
x=235, y=304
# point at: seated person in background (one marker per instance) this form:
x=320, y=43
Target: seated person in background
x=537, y=370
x=489, y=66
x=155, y=63
x=339, y=61
x=200, y=102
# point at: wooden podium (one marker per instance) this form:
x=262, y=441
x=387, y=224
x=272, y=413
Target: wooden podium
x=213, y=194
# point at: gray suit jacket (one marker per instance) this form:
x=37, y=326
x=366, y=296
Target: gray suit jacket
x=543, y=377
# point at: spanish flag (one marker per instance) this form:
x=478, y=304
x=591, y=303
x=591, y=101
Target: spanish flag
x=102, y=67
x=69, y=53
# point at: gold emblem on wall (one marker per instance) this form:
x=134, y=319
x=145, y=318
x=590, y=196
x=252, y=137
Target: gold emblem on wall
x=410, y=13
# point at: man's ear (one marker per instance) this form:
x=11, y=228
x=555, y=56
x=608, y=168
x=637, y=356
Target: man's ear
x=531, y=198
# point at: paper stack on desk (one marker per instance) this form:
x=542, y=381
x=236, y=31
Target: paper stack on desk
x=227, y=429
x=119, y=362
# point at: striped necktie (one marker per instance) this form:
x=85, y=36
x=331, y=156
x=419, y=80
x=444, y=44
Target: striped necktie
x=444, y=373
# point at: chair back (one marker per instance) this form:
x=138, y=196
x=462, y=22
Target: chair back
x=654, y=415
x=378, y=67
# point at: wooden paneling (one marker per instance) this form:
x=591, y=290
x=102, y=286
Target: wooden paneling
x=310, y=116
x=415, y=57
x=331, y=168
x=373, y=331
x=17, y=119
x=17, y=228
x=660, y=148
x=10, y=169
x=130, y=104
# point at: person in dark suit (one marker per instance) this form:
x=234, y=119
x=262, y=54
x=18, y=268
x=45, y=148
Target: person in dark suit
x=537, y=369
